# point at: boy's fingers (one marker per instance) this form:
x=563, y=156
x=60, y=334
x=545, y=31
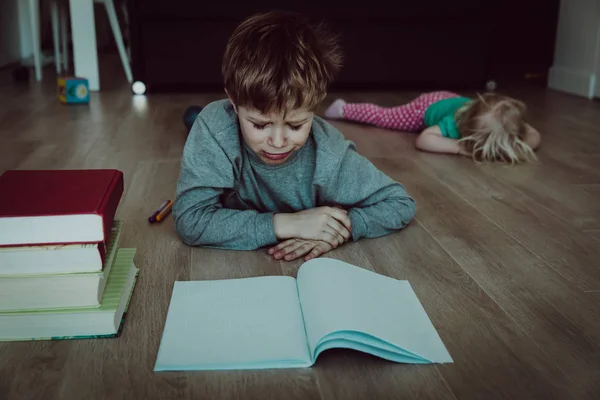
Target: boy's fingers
x=314, y=253
x=331, y=236
x=341, y=216
x=318, y=250
x=280, y=246
x=300, y=251
x=341, y=229
x=284, y=248
x=290, y=247
x=324, y=246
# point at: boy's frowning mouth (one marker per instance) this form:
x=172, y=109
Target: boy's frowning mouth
x=276, y=156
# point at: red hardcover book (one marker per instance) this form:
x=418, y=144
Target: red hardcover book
x=58, y=206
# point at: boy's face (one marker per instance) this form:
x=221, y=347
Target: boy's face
x=272, y=137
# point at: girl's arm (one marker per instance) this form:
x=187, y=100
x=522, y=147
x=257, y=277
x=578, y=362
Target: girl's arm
x=532, y=137
x=432, y=140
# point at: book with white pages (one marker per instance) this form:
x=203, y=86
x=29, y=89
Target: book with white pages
x=47, y=259
x=284, y=322
x=21, y=292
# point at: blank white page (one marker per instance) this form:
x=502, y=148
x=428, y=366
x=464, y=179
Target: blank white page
x=337, y=296
x=249, y=323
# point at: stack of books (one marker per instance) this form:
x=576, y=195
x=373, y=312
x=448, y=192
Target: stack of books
x=62, y=272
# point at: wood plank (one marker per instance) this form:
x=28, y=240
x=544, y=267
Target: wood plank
x=594, y=296
x=376, y=142
x=562, y=134
x=124, y=366
x=576, y=168
x=595, y=235
x=486, y=345
x=543, y=183
x=552, y=311
x=361, y=374
x=496, y=257
x=569, y=251
x=14, y=153
x=43, y=362
x=591, y=190
x=345, y=374
x=210, y=264
x=152, y=144
x=259, y=385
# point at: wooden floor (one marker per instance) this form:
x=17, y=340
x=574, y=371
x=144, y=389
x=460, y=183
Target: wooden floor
x=506, y=260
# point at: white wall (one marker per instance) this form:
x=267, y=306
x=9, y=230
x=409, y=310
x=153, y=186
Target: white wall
x=576, y=60
x=24, y=28
x=15, y=29
x=10, y=46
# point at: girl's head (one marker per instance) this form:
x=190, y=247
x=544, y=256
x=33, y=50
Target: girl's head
x=493, y=128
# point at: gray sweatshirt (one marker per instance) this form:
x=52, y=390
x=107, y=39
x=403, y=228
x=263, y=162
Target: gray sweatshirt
x=226, y=195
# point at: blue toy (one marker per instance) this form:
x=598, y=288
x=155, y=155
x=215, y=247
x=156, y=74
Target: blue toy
x=73, y=90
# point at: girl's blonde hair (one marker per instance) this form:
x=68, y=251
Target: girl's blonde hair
x=493, y=128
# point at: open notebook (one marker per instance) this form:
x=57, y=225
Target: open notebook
x=282, y=322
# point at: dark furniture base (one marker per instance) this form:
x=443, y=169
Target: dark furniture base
x=177, y=45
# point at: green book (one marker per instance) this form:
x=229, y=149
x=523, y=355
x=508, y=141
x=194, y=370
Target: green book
x=79, y=323
x=59, y=290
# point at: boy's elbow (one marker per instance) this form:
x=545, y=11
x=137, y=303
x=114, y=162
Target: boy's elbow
x=186, y=232
x=408, y=212
x=189, y=228
x=405, y=211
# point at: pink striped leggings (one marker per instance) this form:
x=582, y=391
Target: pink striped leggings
x=408, y=117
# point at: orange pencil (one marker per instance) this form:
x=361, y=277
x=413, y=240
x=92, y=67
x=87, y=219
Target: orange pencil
x=165, y=211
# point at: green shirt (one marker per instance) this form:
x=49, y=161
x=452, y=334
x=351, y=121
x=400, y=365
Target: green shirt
x=442, y=113
x=226, y=195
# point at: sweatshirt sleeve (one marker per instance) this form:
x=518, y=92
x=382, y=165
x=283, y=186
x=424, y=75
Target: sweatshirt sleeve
x=376, y=204
x=200, y=218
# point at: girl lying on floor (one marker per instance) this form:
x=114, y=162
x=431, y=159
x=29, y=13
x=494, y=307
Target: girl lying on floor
x=490, y=127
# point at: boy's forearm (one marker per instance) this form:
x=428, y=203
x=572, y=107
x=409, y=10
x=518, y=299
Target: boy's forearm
x=382, y=218
x=224, y=228
x=376, y=204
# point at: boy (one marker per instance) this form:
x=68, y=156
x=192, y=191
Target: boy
x=259, y=168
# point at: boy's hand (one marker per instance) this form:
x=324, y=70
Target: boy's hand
x=295, y=248
x=327, y=224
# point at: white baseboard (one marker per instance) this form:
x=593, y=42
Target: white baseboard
x=572, y=81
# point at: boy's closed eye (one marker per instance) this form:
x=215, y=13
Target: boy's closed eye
x=292, y=127
x=296, y=125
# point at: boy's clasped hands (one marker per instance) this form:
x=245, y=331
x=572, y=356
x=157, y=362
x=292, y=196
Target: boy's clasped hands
x=310, y=233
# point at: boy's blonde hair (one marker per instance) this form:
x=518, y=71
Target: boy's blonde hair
x=493, y=128
x=278, y=61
